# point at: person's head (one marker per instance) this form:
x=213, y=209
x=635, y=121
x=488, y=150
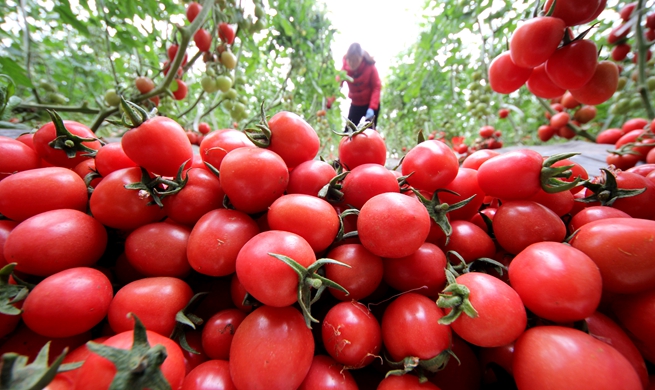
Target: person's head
x=354, y=56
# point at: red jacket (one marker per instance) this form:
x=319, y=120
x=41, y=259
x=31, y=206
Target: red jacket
x=364, y=90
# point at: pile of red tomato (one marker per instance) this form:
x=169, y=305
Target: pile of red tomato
x=458, y=277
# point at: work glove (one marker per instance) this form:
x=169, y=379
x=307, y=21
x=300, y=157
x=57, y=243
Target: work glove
x=369, y=114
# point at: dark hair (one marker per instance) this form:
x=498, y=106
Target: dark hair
x=355, y=50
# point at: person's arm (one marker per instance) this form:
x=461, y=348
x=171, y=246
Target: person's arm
x=376, y=85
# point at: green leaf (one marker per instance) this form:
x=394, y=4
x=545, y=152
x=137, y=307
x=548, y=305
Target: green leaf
x=286, y=25
x=67, y=16
x=14, y=71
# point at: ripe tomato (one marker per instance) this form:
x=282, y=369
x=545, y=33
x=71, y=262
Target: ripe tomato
x=362, y=148
x=433, y=163
x=310, y=177
x=461, y=374
x=410, y=327
x=25, y=341
x=201, y=194
x=469, y=241
x=21, y=194
x=266, y=278
x=505, y=76
x=535, y=275
x=365, y=181
x=601, y=86
x=218, y=332
x=58, y=307
x=351, y=334
x=216, y=145
x=292, y=138
x=545, y=133
x=555, y=357
x=585, y=114
x=361, y=279
x=145, y=84
x=609, y=136
x=98, y=372
x=636, y=206
x=519, y=223
x=181, y=89
x=203, y=39
x=155, y=301
x=594, y=213
x=475, y=159
x=561, y=203
x=421, y=272
x=534, y=41
x=325, y=374
x=635, y=314
x=271, y=349
x=574, y=12
x=111, y=157
x=66, y=239
x=120, y=208
x=159, y=249
x=501, y=316
x=511, y=175
x=310, y=217
x=621, y=249
x=16, y=156
x=253, y=178
x=405, y=382
x=572, y=66
x=486, y=131
x=58, y=157
x=192, y=11
x=620, y=51
x=213, y=374
x=226, y=33
x=396, y=234
x=541, y=85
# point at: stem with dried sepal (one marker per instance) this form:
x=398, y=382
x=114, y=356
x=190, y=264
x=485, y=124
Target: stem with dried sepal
x=456, y=297
x=550, y=176
x=607, y=191
x=70, y=143
x=438, y=211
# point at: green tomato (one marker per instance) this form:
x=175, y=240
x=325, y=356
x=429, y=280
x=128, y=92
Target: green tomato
x=48, y=87
x=210, y=72
x=231, y=94
x=229, y=59
x=259, y=11
x=228, y=104
x=650, y=83
x=223, y=83
x=636, y=102
x=56, y=98
x=112, y=98
x=243, y=99
x=209, y=84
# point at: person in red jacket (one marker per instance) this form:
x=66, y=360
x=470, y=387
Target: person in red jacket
x=364, y=89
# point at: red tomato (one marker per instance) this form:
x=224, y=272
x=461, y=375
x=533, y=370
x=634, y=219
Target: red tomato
x=469, y=241
x=310, y=177
x=351, y=334
x=226, y=33
x=15, y=156
x=218, y=332
x=572, y=66
x=604, y=329
x=620, y=51
x=609, y=136
x=505, y=76
x=308, y=216
x=271, y=349
x=461, y=374
x=111, y=157
x=405, y=382
x=155, y=301
x=623, y=162
x=535, y=275
x=58, y=157
x=626, y=11
x=503, y=113
x=475, y=159
x=486, y=131
x=145, y=84
x=231, y=228
x=433, y=163
x=618, y=33
x=410, y=327
x=567, y=357
x=6, y=226
x=585, y=114
x=361, y=279
x=193, y=360
x=635, y=314
x=601, y=86
x=120, y=208
x=266, y=278
x=201, y=194
x=404, y=230
x=621, y=249
x=561, y=203
x=26, y=342
x=523, y=47
x=517, y=224
x=203, y=39
x=98, y=372
x=66, y=239
x=365, y=181
x=214, y=374
x=594, y=213
x=192, y=11
x=216, y=145
x=159, y=249
x=634, y=124
x=326, y=374
x=511, y=175
x=59, y=307
x=204, y=128
x=155, y=138
x=362, y=148
x=292, y=138
x=636, y=206
x=181, y=89
x=421, y=272
x=22, y=194
x=574, y=12
x=541, y=85
x=466, y=185
x=253, y=178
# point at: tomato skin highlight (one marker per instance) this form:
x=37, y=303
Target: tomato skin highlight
x=272, y=349
x=505, y=76
x=511, y=175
